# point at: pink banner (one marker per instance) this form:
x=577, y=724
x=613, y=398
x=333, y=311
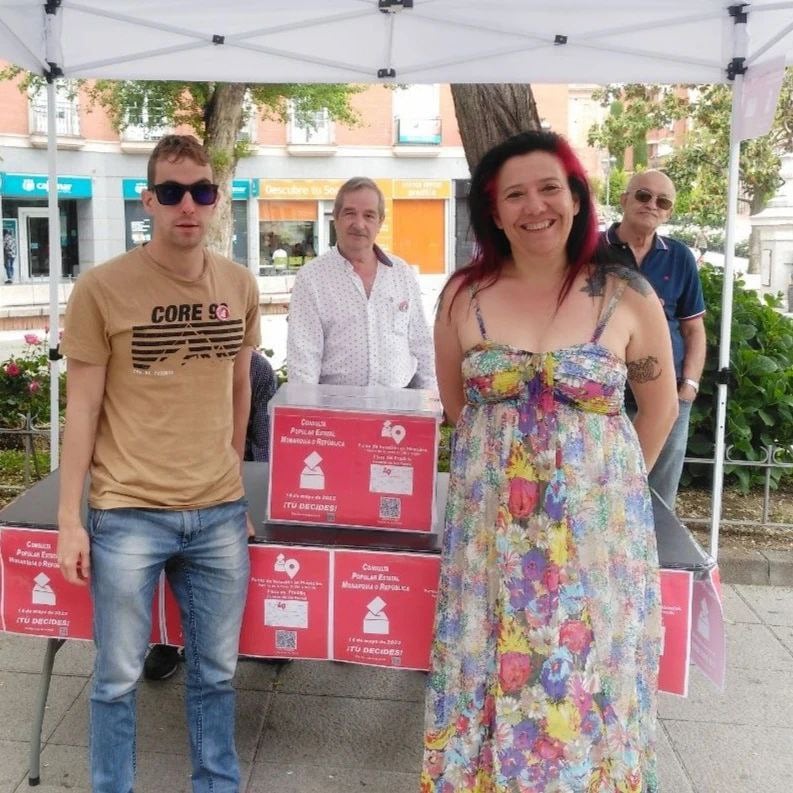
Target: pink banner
x=676, y=587
x=708, y=641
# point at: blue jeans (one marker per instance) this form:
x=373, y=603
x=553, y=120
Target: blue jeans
x=665, y=475
x=208, y=574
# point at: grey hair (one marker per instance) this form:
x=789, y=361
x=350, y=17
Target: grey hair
x=359, y=183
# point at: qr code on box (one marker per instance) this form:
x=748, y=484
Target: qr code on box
x=390, y=508
x=286, y=640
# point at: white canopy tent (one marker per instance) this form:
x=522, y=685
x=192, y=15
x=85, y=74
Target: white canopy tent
x=405, y=41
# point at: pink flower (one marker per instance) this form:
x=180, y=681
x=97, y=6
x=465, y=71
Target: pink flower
x=11, y=369
x=575, y=635
x=549, y=748
x=514, y=671
x=34, y=386
x=32, y=338
x=551, y=577
x=523, y=497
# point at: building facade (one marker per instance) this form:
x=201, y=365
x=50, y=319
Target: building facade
x=407, y=141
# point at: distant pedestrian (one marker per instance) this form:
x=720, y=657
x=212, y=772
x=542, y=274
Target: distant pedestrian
x=9, y=255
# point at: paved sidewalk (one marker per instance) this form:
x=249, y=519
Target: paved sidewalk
x=336, y=728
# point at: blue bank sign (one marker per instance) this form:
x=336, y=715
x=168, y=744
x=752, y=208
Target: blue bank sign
x=240, y=189
x=30, y=185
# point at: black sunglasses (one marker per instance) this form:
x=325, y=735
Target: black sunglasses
x=171, y=193
x=645, y=196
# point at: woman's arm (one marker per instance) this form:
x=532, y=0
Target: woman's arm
x=449, y=354
x=651, y=373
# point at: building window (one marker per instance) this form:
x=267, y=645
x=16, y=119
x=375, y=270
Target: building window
x=250, y=121
x=141, y=123
x=287, y=235
x=417, y=115
x=67, y=113
x=311, y=129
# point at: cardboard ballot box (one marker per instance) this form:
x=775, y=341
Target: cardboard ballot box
x=364, y=457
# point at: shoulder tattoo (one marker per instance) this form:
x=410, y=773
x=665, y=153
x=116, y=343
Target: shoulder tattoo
x=644, y=370
x=596, y=281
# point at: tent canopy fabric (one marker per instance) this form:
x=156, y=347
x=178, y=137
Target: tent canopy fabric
x=407, y=41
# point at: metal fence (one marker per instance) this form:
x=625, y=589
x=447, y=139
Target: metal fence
x=774, y=457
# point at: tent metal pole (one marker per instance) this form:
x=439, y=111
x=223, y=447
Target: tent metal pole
x=55, y=271
x=741, y=46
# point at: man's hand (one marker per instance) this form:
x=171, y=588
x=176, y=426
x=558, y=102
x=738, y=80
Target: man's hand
x=687, y=392
x=74, y=555
x=251, y=529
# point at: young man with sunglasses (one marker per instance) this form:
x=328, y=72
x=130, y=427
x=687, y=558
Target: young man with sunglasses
x=159, y=343
x=672, y=270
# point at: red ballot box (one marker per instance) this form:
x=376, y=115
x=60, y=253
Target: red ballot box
x=349, y=456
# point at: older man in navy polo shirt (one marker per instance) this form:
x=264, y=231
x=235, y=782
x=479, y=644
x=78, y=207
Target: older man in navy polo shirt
x=671, y=269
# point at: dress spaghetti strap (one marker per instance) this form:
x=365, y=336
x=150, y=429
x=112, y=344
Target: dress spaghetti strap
x=478, y=312
x=608, y=311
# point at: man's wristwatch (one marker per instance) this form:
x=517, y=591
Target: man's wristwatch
x=693, y=383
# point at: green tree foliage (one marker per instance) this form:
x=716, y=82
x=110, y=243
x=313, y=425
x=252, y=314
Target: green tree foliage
x=699, y=167
x=217, y=112
x=760, y=397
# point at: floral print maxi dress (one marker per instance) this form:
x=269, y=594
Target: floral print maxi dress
x=545, y=657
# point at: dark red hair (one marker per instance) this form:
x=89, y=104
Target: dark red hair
x=491, y=248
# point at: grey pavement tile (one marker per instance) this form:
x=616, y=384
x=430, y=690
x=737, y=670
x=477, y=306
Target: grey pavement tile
x=13, y=764
x=256, y=674
x=671, y=776
x=18, y=692
x=785, y=635
x=773, y=604
x=270, y=778
x=719, y=757
x=351, y=680
x=751, y=697
x=347, y=733
x=161, y=720
x=753, y=647
x=736, y=609
x=65, y=768
x=26, y=653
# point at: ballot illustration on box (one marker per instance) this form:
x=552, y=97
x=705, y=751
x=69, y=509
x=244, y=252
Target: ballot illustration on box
x=376, y=620
x=312, y=476
x=393, y=431
x=43, y=594
x=288, y=566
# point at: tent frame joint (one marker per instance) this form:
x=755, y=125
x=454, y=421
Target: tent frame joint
x=383, y=74
x=393, y=6
x=738, y=14
x=55, y=353
x=53, y=73
x=559, y=39
x=723, y=376
x=52, y=6
x=735, y=67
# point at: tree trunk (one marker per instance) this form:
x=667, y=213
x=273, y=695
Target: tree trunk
x=223, y=119
x=489, y=113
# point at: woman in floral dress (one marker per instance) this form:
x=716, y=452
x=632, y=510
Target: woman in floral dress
x=545, y=658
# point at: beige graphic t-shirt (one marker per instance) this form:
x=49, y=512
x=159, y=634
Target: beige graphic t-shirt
x=165, y=430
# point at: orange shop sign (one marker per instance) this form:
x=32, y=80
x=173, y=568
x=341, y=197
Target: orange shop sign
x=422, y=188
x=299, y=189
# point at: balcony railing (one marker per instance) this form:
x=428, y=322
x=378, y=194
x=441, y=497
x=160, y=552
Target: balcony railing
x=419, y=131
x=67, y=117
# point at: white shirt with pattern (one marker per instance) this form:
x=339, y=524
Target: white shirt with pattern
x=337, y=335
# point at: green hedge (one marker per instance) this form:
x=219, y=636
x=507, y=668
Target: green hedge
x=760, y=394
